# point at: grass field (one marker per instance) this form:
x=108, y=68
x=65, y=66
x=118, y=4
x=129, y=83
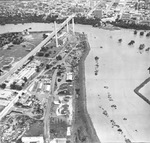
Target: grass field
x=18, y=51
x=1, y=108
x=36, y=129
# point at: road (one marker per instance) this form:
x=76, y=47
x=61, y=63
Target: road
x=109, y=7
x=47, y=110
x=34, y=51
x=94, y=8
x=122, y=10
x=50, y=99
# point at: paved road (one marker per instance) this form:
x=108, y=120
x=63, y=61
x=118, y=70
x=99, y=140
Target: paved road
x=109, y=7
x=94, y=8
x=48, y=109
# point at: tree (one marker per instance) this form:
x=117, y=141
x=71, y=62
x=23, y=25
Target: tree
x=12, y=86
x=44, y=36
x=3, y=86
x=46, y=55
x=31, y=58
x=47, y=66
x=141, y=33
x=120, y=40
x=37, y=69
x=25, y=79
x=135, y=32
x=96, y=58
x=58, y=58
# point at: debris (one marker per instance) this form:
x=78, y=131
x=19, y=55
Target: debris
x=106, y=87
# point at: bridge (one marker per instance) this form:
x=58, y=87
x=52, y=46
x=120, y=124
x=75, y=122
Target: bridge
x=37, y=48
x=23, y=60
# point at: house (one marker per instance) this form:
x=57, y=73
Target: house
x=69, y=76
x=32, y=139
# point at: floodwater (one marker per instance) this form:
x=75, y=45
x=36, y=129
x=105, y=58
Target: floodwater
x=121, y=68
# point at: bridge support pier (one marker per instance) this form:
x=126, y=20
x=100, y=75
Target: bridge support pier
x=67, y=26
x=56, y=38
x=73, y=25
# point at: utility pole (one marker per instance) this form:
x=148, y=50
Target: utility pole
x=56, y=34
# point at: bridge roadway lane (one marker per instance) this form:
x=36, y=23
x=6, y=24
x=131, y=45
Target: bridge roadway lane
x=35, y=50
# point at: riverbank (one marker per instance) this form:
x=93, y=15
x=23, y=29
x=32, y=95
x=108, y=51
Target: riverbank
x=84, y=131
x=128, y=25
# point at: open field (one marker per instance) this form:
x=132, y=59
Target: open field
x=18, y=51
x=36, y=129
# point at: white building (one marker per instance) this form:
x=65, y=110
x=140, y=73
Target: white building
x=32, y=139
x=59, y=140
x=69, y=76
x=48, y=88
x=5, y=95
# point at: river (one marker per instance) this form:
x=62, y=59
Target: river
x=121, y=69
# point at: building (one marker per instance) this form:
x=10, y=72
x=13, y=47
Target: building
x=5, y=95
x=126, y=16
x=98, y=13
x=48, y=88
x=32, y=139
x=69, y=77
x=145, y=22
x=59, y=140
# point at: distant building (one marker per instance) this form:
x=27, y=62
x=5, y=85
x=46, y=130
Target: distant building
x=69, y=76
x=59, y=140
x=98, y=13
x=77, y=9
x=126, y=16
x=68, y=131
x=47, y=88
x=145, y=22
x=32, y=139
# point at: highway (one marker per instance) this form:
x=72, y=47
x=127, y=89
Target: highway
x=35, y=50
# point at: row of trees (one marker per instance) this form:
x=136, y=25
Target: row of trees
x=49, y=19
x=129, y=25
x=14, y=37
